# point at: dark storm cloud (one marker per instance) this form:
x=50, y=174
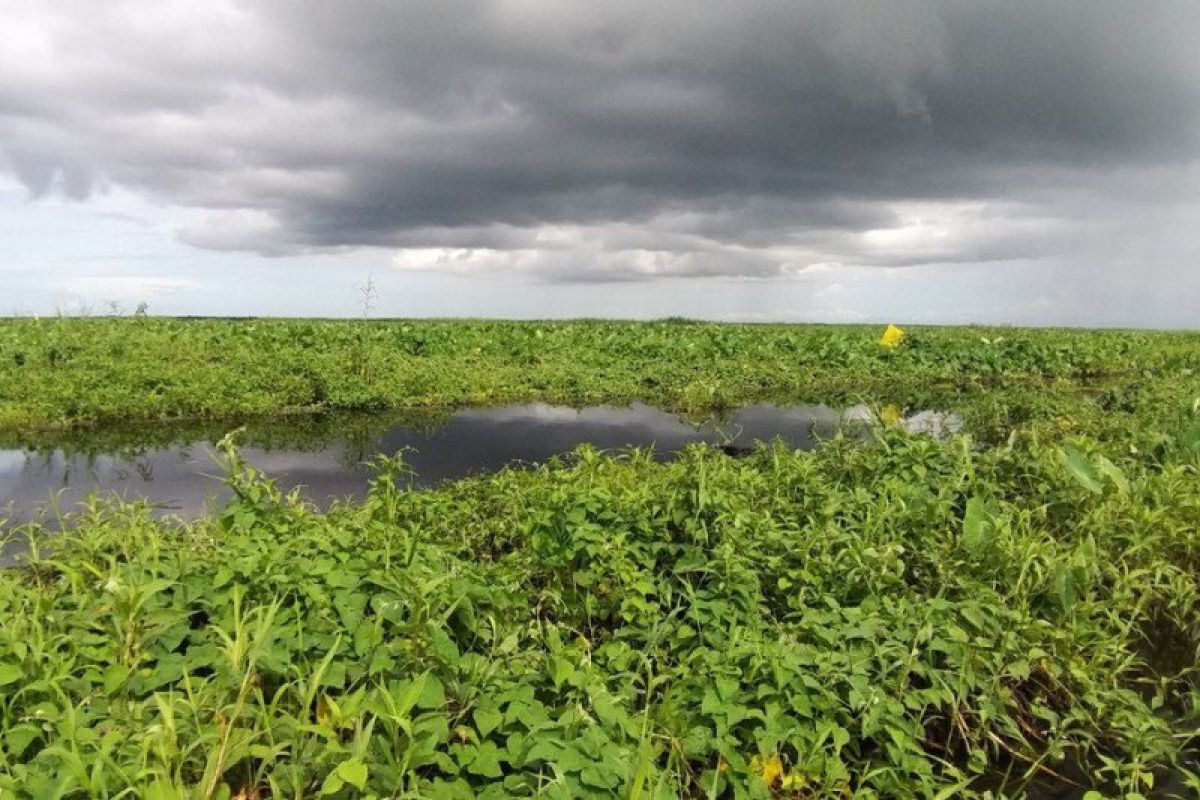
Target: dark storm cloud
x=594, y=141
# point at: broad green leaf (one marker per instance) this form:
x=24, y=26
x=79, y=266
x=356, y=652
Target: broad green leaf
x=1066, y=588
x=163, y=789
x=354, y=772
x=561, y=670
x=571, y=760
x=978, y=526
x=487, y=720
x=114, y=677
x=10, y=673
x=598, y=776
x=18, y=737
x=433, y=695
x=544, y=751
x=334, y=675
x=486, y=762
x=411, y=694
x=1113, y=473
x=333, y=784
x=1081, y=469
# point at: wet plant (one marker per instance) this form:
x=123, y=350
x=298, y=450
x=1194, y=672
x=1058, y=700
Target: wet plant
x=70, y=372
x=896, y=617
x=889, y=615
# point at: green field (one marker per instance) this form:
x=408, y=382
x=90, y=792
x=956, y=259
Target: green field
x=888, y=617
x=64, y=372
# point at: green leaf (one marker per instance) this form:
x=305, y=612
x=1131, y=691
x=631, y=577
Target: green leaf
x=381, y=661
x=333, y=784
x=1113, y=473
x=114, y=677
x=354, y=772
x=18, y=737
x=163, y=789
x=598, y=777
x=1081, y=469
x=978, y=526
x=561, y=670
x=335, y=675
x=10, y=673
x=1066, y=587
x=350, y=606
x=544, y=751
x=487, y=720
x=571, y=760
x=433, y=695
x=407, y=695
x=486, y=762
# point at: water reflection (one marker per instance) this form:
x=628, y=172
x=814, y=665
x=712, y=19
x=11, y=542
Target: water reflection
x=174, y=469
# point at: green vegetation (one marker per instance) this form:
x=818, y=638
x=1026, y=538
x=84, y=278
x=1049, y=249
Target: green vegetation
x=889, y=617
x=66, y=372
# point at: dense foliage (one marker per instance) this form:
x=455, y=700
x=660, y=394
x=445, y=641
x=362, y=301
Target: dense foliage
x=56, y=372
x=888, y=620
x=887, y=617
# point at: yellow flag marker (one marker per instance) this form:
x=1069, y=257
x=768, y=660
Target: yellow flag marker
x=892, y=337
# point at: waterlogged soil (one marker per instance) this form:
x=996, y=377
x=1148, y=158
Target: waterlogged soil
x=176, y=471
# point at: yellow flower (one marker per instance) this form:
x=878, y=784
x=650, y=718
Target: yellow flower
x=892, y=337
x=770, y=769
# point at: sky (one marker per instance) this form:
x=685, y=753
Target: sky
x=1019, y=162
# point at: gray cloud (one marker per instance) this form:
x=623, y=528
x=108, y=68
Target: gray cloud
x=619, y=140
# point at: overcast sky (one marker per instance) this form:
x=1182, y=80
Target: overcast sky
x=943, y=161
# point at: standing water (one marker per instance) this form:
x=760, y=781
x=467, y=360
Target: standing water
x=175, y=469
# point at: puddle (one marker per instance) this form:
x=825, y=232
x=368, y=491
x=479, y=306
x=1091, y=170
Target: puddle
x=173, y=467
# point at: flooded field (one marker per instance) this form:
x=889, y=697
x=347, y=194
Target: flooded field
x=875, y=609
x=175, y=469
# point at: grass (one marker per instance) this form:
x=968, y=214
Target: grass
x=896, y=617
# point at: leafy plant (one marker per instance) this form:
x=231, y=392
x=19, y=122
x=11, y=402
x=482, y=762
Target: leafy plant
x=884, y=616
